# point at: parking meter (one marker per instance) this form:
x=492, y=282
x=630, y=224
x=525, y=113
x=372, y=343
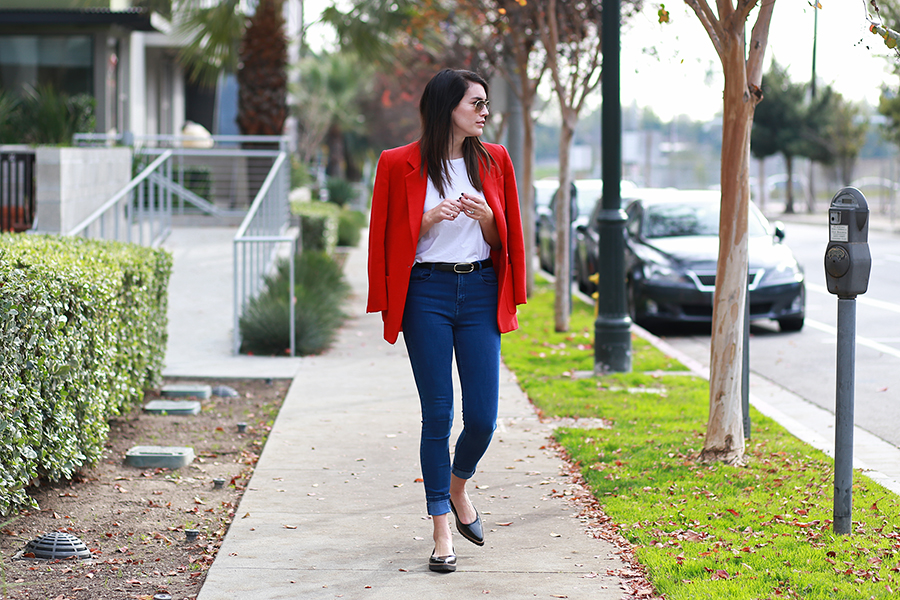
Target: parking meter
x=847, y=258
x=847, y=266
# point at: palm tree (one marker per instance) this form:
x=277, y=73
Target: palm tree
x=262, y=75
x=328, y=109
x=211, y=34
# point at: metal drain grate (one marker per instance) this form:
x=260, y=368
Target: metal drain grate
x=57, y=544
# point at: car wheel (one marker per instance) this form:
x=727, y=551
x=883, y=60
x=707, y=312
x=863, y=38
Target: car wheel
x=791, y=323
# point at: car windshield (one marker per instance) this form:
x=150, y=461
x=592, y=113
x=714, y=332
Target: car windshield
x=587, y=197
x=687, y=219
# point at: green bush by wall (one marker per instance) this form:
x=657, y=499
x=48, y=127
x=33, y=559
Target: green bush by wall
x=320, y=289
x=82, y=334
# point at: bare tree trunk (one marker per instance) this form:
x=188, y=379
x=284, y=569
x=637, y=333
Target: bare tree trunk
x=724, y=432
x=526, y=177
x=743, y=78
x=789, y=189
x=562, y=306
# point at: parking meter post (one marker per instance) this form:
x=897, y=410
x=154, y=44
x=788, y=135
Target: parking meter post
x=843, y=416
x=745, y=368
x=612, y=329
x=847, y=267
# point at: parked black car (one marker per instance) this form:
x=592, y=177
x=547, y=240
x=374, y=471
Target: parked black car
x=585, y=194
x=671, y=250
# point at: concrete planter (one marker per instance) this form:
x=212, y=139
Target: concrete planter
x=74, y=182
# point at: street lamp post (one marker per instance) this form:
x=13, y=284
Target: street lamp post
x=612, y=329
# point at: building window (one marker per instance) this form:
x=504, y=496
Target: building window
x=65, y=62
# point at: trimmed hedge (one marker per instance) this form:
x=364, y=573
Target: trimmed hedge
x=350, y=226
x=82, y=334
x=318, y=225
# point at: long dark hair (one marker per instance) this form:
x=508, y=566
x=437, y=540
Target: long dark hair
x=441, y=96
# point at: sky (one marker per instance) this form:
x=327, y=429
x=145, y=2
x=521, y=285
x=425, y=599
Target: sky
x=673, y=68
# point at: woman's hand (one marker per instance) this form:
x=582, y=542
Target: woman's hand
x=476, y=208
x=447, y=210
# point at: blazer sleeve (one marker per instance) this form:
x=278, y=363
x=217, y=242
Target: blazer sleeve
x=515, y=239
x=378, y=299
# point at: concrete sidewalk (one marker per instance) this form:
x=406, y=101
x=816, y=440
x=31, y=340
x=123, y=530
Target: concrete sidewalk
x=334, y=508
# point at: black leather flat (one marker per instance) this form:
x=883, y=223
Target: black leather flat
x=473, y=532
x=442, y=564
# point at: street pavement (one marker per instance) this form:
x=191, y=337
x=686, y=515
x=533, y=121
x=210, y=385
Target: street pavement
x=335, y=508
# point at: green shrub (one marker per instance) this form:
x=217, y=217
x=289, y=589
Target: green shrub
x=320, y=289
x=8, y=107
x=198, y=179
x=300, y=176
x=46, y=116
x=82, y=334
x=318, y=225
x=341, y=191
x=350, y=225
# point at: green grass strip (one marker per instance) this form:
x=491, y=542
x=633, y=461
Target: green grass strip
x=702, y=530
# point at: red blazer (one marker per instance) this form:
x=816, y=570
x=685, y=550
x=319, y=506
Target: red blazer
x=398, y=201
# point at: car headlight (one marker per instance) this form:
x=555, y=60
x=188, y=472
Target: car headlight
x=786, y=271
x=658, y=274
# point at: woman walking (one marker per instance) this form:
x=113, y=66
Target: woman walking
x=447, y=267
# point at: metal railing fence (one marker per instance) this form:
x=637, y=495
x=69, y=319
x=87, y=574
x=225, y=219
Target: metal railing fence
x=224, y=172
x=264, y=230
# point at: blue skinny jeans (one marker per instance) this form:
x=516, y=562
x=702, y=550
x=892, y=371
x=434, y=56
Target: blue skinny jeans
x=449, y=313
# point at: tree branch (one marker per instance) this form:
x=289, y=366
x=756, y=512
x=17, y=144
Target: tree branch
x=759, y=39
x=710, y=22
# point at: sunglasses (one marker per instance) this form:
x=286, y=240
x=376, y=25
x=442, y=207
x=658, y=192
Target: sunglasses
x=481, y=104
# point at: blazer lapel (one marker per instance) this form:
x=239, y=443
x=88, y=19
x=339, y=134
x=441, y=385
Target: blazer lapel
x=492, y=196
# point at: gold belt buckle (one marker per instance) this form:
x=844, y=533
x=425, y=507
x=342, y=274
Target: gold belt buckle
x=458, y=266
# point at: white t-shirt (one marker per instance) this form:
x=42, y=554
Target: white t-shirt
x=459, y=240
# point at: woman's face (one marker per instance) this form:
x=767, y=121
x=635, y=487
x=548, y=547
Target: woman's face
x=468, y=120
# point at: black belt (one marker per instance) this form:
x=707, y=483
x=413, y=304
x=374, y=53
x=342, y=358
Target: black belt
x=463, y=267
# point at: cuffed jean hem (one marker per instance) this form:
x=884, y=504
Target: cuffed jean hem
x=465, y=474
x=439, y=507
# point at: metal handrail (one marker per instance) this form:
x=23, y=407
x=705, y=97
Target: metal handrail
x=131, y=139
x=125, y=194
x=262, y=230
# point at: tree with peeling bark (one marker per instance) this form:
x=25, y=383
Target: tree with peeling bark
x=570, y=34
x=742, y=64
